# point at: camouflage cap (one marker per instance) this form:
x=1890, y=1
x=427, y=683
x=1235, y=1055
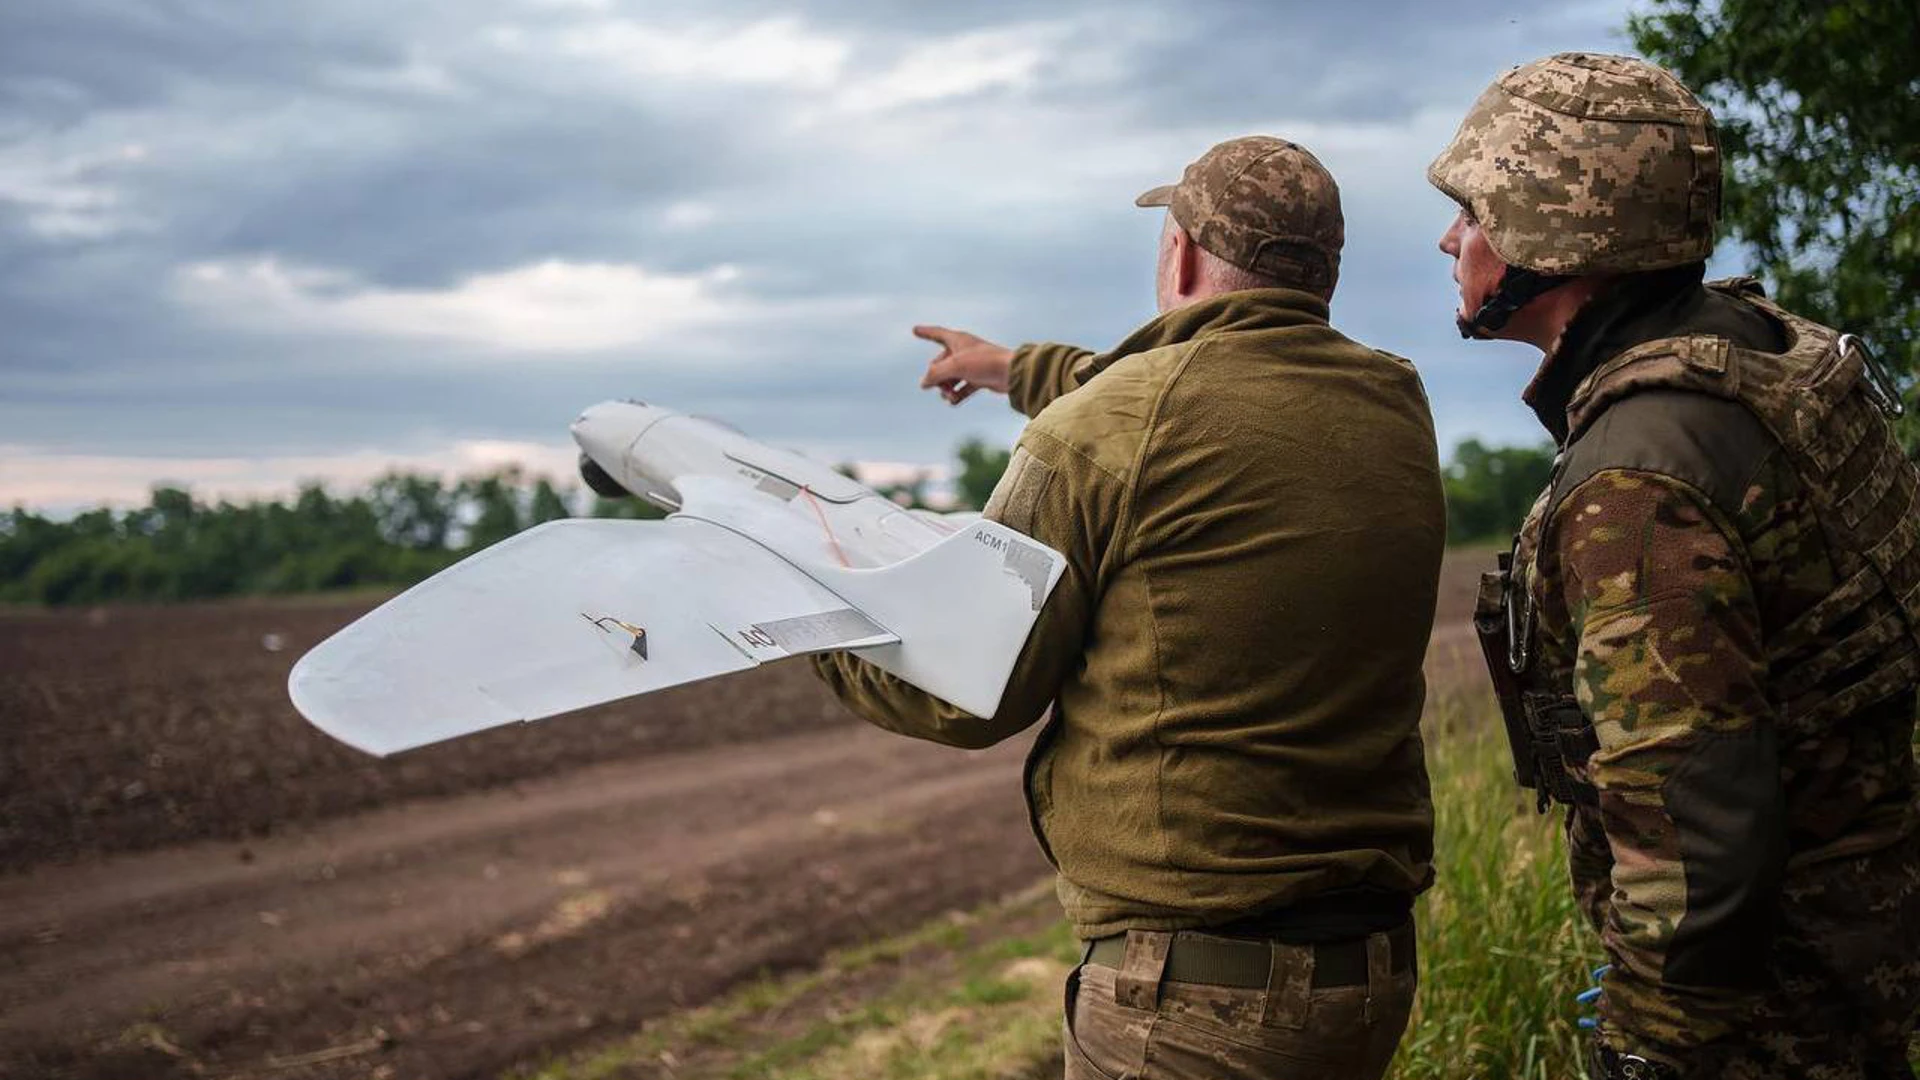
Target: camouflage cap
x=1585, y=163
x=1263, y=204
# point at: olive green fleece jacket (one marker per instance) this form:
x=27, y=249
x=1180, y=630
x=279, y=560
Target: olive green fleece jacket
x=1250, y=509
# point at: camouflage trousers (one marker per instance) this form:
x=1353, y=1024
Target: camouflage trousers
x=1845, y=968
x=1131, y=1023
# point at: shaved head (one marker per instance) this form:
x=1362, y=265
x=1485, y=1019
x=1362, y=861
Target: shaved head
x=1204, y=274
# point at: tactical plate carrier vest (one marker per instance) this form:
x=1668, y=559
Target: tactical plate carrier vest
x=1827, y=402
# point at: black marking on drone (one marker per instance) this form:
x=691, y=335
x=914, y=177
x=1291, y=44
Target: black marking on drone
x=607, y=623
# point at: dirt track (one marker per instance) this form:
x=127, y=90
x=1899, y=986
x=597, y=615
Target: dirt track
x=458, y=937
x=454, y=912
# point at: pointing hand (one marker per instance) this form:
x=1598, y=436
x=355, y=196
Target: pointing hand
x=966, y=363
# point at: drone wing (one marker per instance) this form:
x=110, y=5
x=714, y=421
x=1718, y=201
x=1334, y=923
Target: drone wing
x=566, y=615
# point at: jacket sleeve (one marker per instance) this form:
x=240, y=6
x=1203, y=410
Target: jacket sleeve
x=1040, y=373
x=1670, y=668
x=1056, y=495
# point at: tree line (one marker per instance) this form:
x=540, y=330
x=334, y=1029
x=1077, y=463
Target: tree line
x=399, y=530
x=404, y=527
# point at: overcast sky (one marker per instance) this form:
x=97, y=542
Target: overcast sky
x=243, y=244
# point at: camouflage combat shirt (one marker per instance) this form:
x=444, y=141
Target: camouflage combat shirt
x=1250, y=509
x=1742, y=873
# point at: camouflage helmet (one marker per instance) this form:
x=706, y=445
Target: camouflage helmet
x=1584, y=163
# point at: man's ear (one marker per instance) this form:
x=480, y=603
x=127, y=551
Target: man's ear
x=1186, y=263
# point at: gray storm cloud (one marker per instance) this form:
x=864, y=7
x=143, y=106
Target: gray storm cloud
x=356, y=229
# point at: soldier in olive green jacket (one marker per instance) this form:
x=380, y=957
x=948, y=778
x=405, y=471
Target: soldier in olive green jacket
x=1231, y=783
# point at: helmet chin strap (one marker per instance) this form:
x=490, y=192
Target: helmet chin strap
x=1518, y=287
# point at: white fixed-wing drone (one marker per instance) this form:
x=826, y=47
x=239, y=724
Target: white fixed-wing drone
x=766, y=555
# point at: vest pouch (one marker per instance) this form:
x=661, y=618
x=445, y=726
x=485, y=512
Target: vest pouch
x=1560, y=736
x=1491, y=626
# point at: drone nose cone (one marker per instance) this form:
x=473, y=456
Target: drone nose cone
x=602, y=435
x=599, y=416
x=606, y=431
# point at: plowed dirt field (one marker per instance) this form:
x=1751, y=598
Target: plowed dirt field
x=194, y=883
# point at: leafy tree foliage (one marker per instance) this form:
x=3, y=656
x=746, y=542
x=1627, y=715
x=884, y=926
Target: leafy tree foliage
x=401, y=529
x=413, y=511
x=980, y=469
x=1489, y=489
x=547, y=503
x=1822, y=139
x=174, y=548
x=494, y=500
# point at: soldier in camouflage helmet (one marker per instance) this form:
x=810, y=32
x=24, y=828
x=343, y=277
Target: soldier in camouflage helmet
x=1229, y=775
x=1707, y=638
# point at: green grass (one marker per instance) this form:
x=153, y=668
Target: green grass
x=992, y=1013
x=955, y=999
x=1500, y=952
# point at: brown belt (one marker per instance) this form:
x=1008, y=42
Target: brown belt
x=1219, y=961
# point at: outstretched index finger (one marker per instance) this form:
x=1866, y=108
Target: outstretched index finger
x=939, y=335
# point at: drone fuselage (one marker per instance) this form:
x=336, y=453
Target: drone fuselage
x=655, y=453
